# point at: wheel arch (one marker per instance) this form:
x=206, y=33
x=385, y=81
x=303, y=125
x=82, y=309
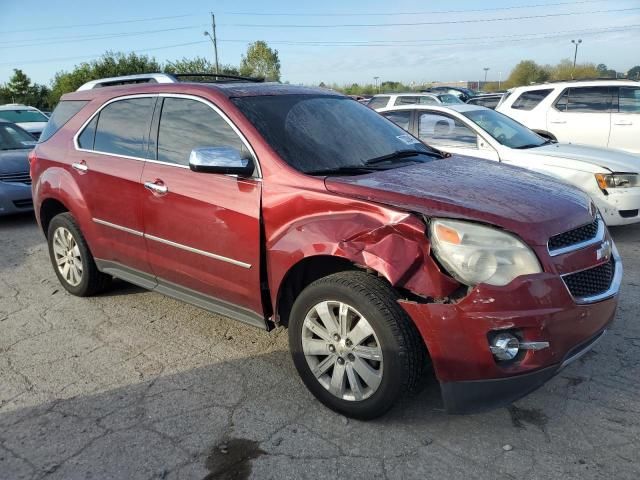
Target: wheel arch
x=49, y=208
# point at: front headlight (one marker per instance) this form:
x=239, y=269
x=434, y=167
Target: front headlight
x=475, y=253
x=617, y=180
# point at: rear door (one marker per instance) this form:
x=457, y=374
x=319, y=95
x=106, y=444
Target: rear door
x=107, y=166
x=202, y=230
x=625, y=120
x=582, y=115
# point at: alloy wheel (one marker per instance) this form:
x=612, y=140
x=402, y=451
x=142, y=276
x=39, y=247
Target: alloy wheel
x=67, y=256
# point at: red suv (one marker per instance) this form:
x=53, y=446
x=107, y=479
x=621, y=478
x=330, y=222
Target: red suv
x=294, y=206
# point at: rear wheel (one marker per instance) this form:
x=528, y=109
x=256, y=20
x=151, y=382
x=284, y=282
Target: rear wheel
x=71, y=259
x=354, y=347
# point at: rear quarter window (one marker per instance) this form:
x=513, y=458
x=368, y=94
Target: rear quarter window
x=531, y=99
x=378, y=102
x=64, y=111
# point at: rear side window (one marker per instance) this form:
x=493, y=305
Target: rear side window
x=123, y=127
x=186, y=124
x=378, y=102
x=406, y=100
x=585, y=99
x=400, y=118
x=529, y=100
x=629, y=100
x=61, y=115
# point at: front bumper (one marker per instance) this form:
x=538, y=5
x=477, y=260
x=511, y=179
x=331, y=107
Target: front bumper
x=15, y=198
x=620, y=207
x=538, y=307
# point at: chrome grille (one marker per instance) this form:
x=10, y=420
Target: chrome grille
x=591, y=282
x=20, y=177
x=574, y=239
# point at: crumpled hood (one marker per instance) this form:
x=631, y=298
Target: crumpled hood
x=14, y=161
x=614, y=160
x=529, y=204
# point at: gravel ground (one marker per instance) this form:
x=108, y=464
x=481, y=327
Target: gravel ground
x=131, y=384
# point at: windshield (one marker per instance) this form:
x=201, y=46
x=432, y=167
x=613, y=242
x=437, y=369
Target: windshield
x=449, y=99
x=505, y=130
x=316, y=133
x=14, y=138
x=22, y=116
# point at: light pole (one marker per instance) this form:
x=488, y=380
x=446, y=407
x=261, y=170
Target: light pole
x=575, y=55
x=499, y=79
x=486, y=70
x=375, y=83
x=213, y=39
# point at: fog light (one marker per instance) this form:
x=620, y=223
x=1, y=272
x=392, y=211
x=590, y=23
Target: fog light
x=505, y=346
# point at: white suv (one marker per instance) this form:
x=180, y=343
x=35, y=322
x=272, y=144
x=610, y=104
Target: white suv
x=605, y=113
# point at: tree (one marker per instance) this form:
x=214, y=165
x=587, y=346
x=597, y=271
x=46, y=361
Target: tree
x=566, y=71
x=19, y=84
x=604, y=72
x=634, y=73
x=525, y=73
x=261, y=61
x=197, y=65
x=19, y=89
x=109, y=65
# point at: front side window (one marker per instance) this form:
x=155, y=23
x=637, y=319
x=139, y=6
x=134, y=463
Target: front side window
x=123, y=127
x=378, y=102
x=504, y=129
x=585, y=100
x=443, y=131
x=400, y=118
x=186, y=124
x=629, y=100
x=316, y=133
x=531, y=99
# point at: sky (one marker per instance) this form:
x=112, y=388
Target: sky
x=332, y=41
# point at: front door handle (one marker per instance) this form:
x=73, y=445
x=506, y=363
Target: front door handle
x=80, y=166
x=156, y=187
x=557, y=121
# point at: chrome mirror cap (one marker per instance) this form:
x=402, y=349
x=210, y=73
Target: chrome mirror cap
x=224, y=160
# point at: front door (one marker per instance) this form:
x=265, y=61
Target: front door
x=625, y=122
x=202, y=230
x=582, y=115
x=107, y=166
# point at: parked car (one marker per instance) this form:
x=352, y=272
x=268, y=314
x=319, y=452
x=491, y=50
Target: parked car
x=385, y=100
x=610, y=177
x=15, y=183
x=603, y=113
x=29, y=118
x=489, y=100
x=464, y=94
x=285, y=205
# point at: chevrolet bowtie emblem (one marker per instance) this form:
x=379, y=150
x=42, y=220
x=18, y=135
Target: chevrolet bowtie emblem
x=604, y=252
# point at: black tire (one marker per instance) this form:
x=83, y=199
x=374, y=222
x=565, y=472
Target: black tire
x=404, y=354
x=92, y=281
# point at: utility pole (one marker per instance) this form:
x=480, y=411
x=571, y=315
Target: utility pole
x=575, y=55
x=486, y=69
x=214, y=40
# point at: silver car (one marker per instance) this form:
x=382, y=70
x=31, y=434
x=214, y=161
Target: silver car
x=15, y=182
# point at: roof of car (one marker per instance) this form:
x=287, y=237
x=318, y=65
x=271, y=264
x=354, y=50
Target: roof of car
x=230, y=89
x=582, y=83
x=456, y=107
x=16, y=106
x=406, y=94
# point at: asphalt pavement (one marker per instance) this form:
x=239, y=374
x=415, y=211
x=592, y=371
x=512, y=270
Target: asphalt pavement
x=134, y=385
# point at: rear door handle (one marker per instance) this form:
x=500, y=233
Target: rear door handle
x=557, y=121
x=80, y=166
x=156, y=187
x=623, y=122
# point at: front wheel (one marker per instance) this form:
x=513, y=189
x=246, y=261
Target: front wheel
x=354, y=347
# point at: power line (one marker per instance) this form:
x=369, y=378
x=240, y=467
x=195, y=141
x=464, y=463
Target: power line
x=115, y=22
x=75, y=38
x=411, y=24
x=98, y=55
x=427, y=12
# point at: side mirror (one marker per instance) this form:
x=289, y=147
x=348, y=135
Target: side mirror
x=224, y=160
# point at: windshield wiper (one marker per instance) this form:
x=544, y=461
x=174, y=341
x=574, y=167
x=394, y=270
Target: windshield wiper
x=530, y=145
x=401, y=155
x=342, y=170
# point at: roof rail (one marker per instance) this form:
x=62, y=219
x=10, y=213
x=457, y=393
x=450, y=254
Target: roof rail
x=165, y=78
x=595, y=79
